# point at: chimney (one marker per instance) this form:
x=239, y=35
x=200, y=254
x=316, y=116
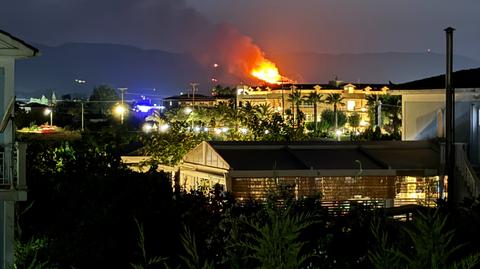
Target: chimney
x=450, y=118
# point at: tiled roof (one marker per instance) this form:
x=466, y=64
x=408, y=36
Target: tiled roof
x=198, y=97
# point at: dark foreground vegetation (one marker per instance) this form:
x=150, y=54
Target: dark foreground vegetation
x=87, y=211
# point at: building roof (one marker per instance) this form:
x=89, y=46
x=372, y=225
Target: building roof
x=399, y=155
x=469, y=78
x=340, y=86
x=189, y=97
x=15, y=46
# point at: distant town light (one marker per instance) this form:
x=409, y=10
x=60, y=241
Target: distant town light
x=350, y=105
x=120, y=110
x=164, y=127
x=147, y=128
x=363, y=123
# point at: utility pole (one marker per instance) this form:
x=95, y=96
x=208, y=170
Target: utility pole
x=83, y=112
x=194, y=89
x=450, y=118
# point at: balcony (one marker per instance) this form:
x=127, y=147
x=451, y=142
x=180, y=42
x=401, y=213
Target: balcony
x=13, y=185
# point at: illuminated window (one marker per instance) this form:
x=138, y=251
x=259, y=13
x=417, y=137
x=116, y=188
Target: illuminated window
x=351, y=105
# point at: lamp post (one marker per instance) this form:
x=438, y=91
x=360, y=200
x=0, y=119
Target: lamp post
x=121, y=109
x=83, y=112
x=81, y=82
x=49, y=111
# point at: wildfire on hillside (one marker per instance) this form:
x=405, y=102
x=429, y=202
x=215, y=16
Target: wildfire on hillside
x=267, y=71
x=235, y=57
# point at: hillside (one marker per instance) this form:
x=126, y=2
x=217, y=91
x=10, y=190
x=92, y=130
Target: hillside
x=169, y=73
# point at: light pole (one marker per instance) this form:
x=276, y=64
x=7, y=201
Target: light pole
x=80, y=82
x=121, y=108
x=194, y=89
x=49, y=111
x=83, y=112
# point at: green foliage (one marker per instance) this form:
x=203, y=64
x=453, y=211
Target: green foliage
x=26, y=254
x=392, y=113
x=192, y=260
x=221, y=91
x=146, y=262
x=431, y=246
x=328, y=119
x=276, y=242
x=469, y=262
x=354, y=120
x=383, y=254
x=170, y=147
x=104, y=98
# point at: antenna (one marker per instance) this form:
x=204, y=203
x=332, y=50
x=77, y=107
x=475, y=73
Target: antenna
x=7, y=116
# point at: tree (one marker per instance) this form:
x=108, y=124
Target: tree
x=314, y=98
x=263, y=111
x=372, y=103
x=169, y=147
x=354, y=120
x=221, y=91
x=296, y=99
x=328, y=118
x=335, y=99
x=103, y=98
x=392, y=109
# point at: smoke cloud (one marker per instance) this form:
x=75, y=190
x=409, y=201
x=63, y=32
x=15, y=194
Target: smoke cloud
x=158, y=24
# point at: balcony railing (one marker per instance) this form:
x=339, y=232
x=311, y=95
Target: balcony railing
x=465, y=170
x=13, y=171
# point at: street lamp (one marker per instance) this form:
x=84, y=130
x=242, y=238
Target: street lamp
x=120, y=110
x=49, y=111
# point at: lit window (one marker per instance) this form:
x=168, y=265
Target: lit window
x=350, y=105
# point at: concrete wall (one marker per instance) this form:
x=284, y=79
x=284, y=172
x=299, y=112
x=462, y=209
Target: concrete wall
x=423, y=118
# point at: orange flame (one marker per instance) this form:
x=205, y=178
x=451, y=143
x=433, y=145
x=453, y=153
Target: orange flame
x=268, y=72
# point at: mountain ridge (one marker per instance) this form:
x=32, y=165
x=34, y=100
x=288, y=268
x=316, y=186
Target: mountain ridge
x=167, y=73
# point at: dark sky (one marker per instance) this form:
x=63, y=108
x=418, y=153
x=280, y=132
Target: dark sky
x=331, y=26
x=327, y=26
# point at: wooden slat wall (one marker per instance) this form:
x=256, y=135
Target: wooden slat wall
x=331, y=188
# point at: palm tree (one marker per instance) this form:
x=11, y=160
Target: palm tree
x=335, y=99
x=314, y=98
x=295, y=98
x=392, y=109
x=263, y=111
x=372, y=103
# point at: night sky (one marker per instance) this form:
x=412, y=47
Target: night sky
x=333, y=26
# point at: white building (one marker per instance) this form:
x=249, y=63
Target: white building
x=12, y=175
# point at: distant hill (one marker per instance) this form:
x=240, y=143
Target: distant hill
x=169, y=73
x=396, y=67
x=115, y=65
